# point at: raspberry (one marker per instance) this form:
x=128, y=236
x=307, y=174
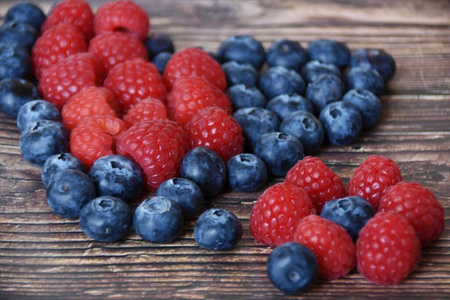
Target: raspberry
x=95, y=137
x=331, y=244
x=194, y=62
x=134, y=80
x=277, y=213
x=372, y=178
x=387, y=249
x=146, y=110
x=74, y=12
x=67, y=77
x=122, y=16
x=318, y=181
x=214, y=128
x=115, y=47
x=158, y=146
x=419, y=206
x=89, y=102
x=54, y=45
x=191, y=94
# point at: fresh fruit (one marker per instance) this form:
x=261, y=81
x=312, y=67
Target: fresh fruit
x=27, y=13
x=160, y=61
x=242, y=96
x=279, y=80
x=315, y=68
x=246, y=172
x=325, y=89
x=14, y=93
x=240, y=73
x=158, y=43
x=365, y=79
x=368, y=105
x=288, y=54
x=17, y=34
x=36, y=110
x=15, y=62
x=59, y=162
x=242, y=49
x=376, y=59
x=285, y=104
x=145, y=110
x=329, y=51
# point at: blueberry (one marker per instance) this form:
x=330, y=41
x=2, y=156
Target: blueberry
x=288, y=54
x=26, y=13
x=105, y=219
x=116, y=176
x=365, y=79
x=280, y=151
x=307, y=128
x=14, y=93
x=15, y=62
x=325, y=89
x=218, y=229
x=68, y=191
x=367, y=103
x=160, y=61
x=242, y=96
x=184, y=192
x=240, y=73
x=246, y=172
x=158, y=220
x=351, y=212
x=292, y=268
x=36, y=110
x=243, y=49
x=285, y=104
x=279, y=80
x=254, y=122
x=329, y=51
x=204, y=167
x=375, y=59
x=43, y=139
x=17, y=34
x=315, y=68
x=59, y=162
x=342, y=123
x=158, y=43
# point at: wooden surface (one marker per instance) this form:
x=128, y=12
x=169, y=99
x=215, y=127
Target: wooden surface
x=44, y=256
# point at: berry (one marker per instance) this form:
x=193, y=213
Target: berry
x=194, y=62
x=351, y=212
x=372, y=178
x=116, y=176
x=14, y=93
x=318, y=181
x=145, y=110
x=16, y=34
x=376, y=59
x=285, y=104
x=329, y=51
x=280, y=151
x=315, y=68
x=279, y=80
x=277, y=212
x=15, y=62
x=105, y=219
x=368, y=105
x=160, y=61
x=325, y=89
x=330, y=243
x=158, y=220
x=158, y=43
x=68, y=191
x=292, y=268
x=240, y=73
x=242, y=96
x=218, y=229
x=387, y=249
x=27, y=13
x=122, y=16
x=36, y=110
x=246, y=173
x=288, y=54
x=242, y=49
x=419, y=206
x=158, y=147
x=365, y=79
x=59, y=162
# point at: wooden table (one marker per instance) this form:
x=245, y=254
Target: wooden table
x=44, y=256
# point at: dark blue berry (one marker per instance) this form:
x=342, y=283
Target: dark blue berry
x=106, y=219
x=240, y=73
x=292, y=268
x=59, y=162
x=243, y=49
x=325, y=89
x=15, y=62
x=246, y=172
x=218, y=229
x=351, y=212
x=14, y=93
x=116, y=176
x=280, y=151
x=158, y=43
x=160, y=61
x=204, y=167
x=17, y=34
x=242, y=96
x=288, y=54
x=184, y=192
x=342, y=123
x=158, y=220
x=68, y=191
x=365, y=79
x=307, y=128
x=36, y=110
x=315, y=68
x=43, y=139
x=26, y=13
x=285, y=104
x=329, y=51
x=367, y=103
x=375, y=59
x=279, y=80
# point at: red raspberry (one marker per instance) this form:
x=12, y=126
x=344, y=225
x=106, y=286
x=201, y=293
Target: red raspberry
x=74, y=12
x=214, y=128
x=332, y=245
x=194, y=62
x=135, y=80
x=89, y=102
x=95, y=137
x=115, y=47
x=146, y=110
x=319, y=181
x=54, y=45
x=372, y=178
x=191, y=94
x=123, y=16
x=67, y=77
x=158, y=146
x=387, y=249
x=419, y=206
x=277, y=212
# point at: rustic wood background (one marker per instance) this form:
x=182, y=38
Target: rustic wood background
x=44, y=256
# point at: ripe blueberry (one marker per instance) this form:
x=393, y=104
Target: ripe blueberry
x=59, y=162
x=329, y=51
x=325, y=89
x=243, y=49
x=242, y=96
x=240, y=73
x=14, y=93
x=279, y=80
x=285, y=104
x=367, y=103
x=315, y=68
x=288, y=54
x=36, y=110
x=365, y=79
x=246, y=172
